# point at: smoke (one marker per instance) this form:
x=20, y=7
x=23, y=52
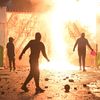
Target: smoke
x=29, y=5
x=41, y=5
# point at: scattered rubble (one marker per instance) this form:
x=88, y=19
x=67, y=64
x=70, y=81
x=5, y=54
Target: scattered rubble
x=58, y=85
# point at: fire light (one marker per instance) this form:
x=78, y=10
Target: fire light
x=63, y=12
x=56, y=22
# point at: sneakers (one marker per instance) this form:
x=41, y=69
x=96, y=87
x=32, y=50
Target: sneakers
x=24, y=88
x=39, y=90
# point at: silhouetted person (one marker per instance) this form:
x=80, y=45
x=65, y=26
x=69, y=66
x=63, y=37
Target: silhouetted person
x=36, y=47
x=11, y=53
x=82, y=42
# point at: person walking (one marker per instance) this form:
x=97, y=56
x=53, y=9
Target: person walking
x=82, y=42
x=36, y=46
x=11, y=53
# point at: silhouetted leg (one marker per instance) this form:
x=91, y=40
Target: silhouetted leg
x=14, y=64
x=29, y=77
x=36, y=72
x=10, y=64
x=35, y=69
x=36, y=77
x=83, y=59
x=79, y=54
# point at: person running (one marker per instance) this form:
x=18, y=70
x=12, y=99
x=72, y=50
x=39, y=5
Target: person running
x=36, y=46
x=11, y=53
x=82, y=42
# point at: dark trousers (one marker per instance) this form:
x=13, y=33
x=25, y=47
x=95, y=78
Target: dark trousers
x=34, y=73
x=11, y=62
x=82, y=56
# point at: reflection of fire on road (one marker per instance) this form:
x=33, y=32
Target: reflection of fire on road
x=59, y=27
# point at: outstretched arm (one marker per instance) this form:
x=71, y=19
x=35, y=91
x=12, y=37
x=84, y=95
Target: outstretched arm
x=44, y=53
x=23, y=51
x=89, y=45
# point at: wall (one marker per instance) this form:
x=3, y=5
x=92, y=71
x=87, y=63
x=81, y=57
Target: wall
x=2, y=31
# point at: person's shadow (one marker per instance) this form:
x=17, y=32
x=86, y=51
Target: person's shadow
x=25, y=95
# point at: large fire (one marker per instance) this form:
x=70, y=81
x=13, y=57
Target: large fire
x=59, y=27
x=62, y=13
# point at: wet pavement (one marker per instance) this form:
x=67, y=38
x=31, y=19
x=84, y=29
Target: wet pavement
x=65, y=85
